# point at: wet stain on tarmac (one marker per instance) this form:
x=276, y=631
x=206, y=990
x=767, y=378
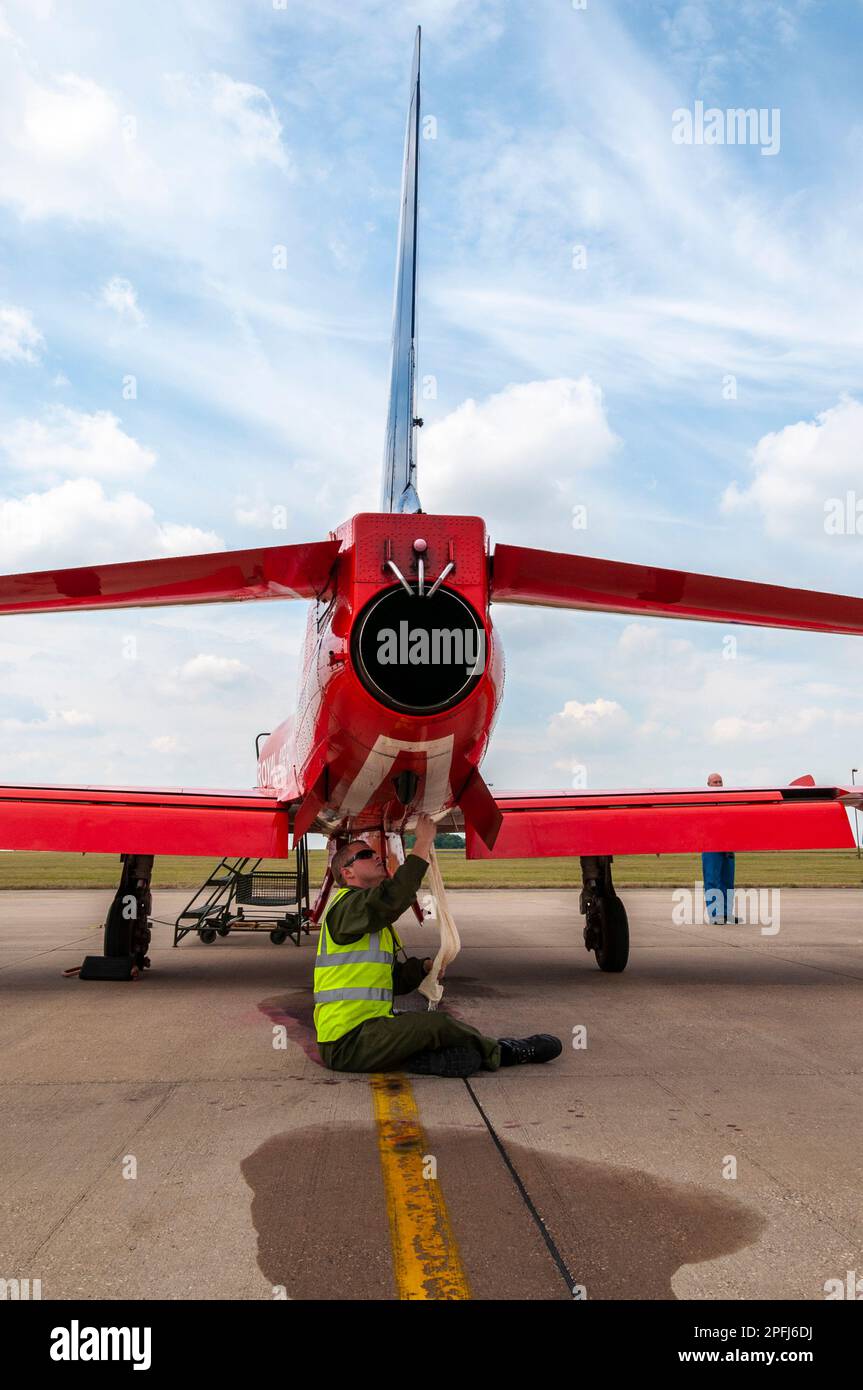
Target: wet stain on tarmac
x=469, y=987
x=296, y=1013
x=319, y=1213
x=318, y=1208
x=623, y=1232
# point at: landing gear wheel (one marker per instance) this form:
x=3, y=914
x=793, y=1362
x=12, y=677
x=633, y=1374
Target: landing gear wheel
x=609, y=934
x=127, y=925
x=208, y=935
x=278, y=938
x=118, y=936
x=223, y=931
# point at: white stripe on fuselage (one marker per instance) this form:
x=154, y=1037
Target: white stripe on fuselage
x=380, y=759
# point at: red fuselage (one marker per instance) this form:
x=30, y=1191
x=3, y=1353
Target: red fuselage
x=348, y=744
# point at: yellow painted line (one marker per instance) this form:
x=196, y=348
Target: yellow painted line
x=425, y=1255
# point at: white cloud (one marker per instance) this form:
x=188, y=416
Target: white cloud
x=697, y=267
x=178, y=538
x=744, y=31
x=71, y=442
x=793, y=724
x=67, y=120
x=576, y=720
x=20, y=339
x=798, y=470
x=55, y=721
x=121, y=296
x=65, y=152
x=582, y=729
x=248, y=112
x=78, y=149
x=75, y=523
x=208, y=670
x=520, y=453
x=165, y=743
x=258, y=512
x=688, y=25
x=639, y=640
x=759, y=712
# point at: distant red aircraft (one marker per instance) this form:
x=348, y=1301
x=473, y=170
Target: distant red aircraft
x=402, y=677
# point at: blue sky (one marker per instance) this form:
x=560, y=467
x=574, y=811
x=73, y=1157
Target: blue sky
x=690, y=376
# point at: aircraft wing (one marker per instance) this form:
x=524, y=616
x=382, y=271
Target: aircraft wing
x=144, y=820
x=549, y=824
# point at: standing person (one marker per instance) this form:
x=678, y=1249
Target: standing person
x=717, y=870
x=357, y=975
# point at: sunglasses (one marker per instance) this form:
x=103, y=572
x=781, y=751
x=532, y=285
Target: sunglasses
x=360, y=854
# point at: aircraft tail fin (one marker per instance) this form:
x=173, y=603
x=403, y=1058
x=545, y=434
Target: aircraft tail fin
x=398, y=491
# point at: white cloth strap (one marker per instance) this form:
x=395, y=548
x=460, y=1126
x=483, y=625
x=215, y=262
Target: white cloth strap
x=450, y=943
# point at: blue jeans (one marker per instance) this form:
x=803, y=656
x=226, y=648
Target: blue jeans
x=718, y=872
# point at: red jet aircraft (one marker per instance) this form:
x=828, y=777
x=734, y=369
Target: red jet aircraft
x=401, y=681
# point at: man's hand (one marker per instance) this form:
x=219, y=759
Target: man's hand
x=425, y=831
x=427, y=965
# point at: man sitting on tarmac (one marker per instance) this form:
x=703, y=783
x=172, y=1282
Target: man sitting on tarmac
x=357, y=975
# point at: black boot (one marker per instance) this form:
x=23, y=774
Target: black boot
x=540, y=1047
x=445, y=1061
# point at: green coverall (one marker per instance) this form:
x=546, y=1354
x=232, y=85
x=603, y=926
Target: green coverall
x=382, y=1044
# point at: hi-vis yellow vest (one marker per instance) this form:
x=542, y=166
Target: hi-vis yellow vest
x=352, y=982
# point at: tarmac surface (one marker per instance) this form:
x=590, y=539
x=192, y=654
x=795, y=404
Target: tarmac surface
x=176, y=1137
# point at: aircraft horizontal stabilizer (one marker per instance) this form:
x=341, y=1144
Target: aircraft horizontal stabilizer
x=269, y=572
x=556, y=580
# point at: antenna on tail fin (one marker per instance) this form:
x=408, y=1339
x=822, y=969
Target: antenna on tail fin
x=398, y=493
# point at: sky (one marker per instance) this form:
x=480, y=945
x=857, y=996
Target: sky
x=633, y=343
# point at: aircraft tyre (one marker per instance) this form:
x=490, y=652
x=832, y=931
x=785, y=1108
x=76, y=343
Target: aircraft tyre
x=117, y=939
x=127, y=924
x=611, y=933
